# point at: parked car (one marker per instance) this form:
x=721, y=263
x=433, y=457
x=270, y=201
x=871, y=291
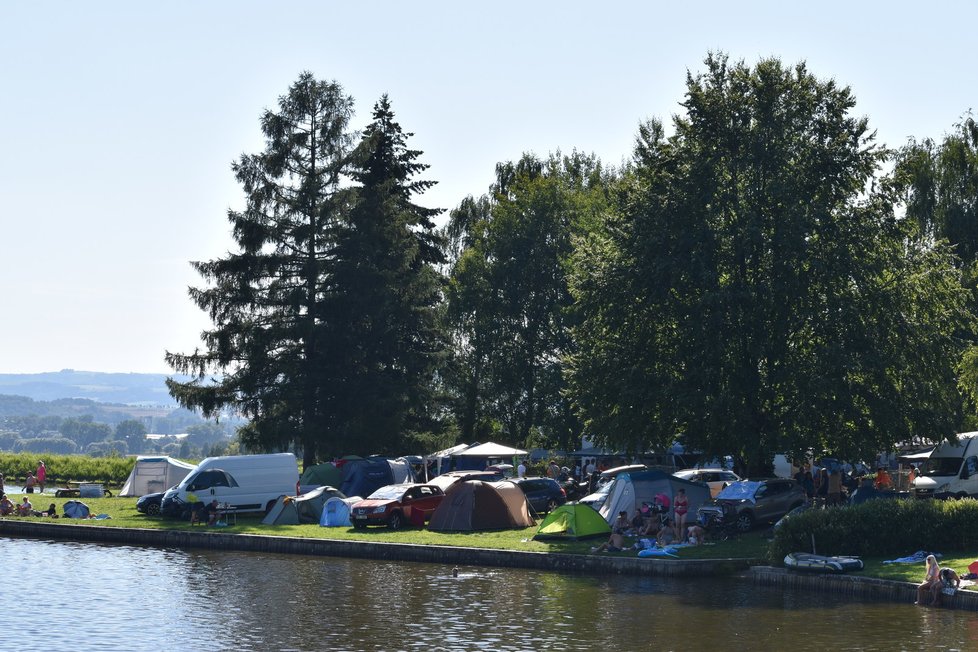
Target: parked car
x=150, y=503
x=544, y=494
x=717, y=479
x=600, y=494
x=396, y=505
x=756, y=501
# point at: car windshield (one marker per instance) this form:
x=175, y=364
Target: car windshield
x=941, y=466
x=391, y=492
x=739, y=491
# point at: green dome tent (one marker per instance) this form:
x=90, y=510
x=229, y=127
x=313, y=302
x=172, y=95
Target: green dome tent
x=572, y=522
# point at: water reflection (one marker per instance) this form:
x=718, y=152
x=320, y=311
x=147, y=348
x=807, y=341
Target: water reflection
x=92, y=597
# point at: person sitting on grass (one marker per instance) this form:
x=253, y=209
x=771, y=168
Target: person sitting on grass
x=695, y=535
x=51, y=511
x=615, y=543
x=667, y=535
x=25, y=508
x=7, y=506
x=946, y=579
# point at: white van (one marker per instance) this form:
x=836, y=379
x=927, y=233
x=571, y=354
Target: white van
x=246, y=483
x=951, y=471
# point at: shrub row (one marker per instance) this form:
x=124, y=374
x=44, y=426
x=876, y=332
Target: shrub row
x=889, y=527
x=63, y=468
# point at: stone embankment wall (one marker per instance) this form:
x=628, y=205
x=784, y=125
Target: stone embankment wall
x=450, y=555
x=844, y=586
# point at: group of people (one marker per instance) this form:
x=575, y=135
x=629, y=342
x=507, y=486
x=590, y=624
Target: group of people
x=24, y=508
x=665, y=523
x=936, y=582
x=33, y=480
x=828, y=488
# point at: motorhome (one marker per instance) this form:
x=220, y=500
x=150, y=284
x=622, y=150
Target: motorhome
x=244, y=483
x=951, y=470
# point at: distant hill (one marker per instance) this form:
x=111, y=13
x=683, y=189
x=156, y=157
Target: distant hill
x=125, y=388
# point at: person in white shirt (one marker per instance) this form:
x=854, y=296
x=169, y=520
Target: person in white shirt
x=521, y=469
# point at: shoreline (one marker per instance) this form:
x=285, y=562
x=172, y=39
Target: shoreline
x=753, y=570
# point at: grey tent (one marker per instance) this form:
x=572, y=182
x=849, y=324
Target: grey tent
x=152, y=474
x=630, y=491
x=282, y=513
x=309, y=506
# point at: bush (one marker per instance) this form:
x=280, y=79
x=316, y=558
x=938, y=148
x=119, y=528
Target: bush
x=63, y=468
x=880, y=528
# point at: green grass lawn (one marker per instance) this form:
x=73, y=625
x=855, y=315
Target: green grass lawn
x=124, y=514
x=914, y=572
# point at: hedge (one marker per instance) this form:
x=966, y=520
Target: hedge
x=885, y=527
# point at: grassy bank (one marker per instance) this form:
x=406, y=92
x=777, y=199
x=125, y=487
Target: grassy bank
x=753, y=545
x=123, y=514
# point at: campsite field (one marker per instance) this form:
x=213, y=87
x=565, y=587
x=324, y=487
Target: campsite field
x=750, y=546
x=123, y=514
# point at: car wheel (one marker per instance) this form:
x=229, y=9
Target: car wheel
x=551, y=505
x=395, y=521
x=745, y=520
x=153, y=509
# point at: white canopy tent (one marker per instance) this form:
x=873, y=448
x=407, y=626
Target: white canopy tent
x=490, y=449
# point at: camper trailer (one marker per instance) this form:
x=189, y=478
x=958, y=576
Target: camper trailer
x=951, y=471
x=246, y=483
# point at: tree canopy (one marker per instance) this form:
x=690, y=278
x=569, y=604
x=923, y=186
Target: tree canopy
x=753, y=292
x=330, y=289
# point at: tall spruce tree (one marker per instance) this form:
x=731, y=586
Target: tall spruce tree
x=387, y=290
x=271, y=346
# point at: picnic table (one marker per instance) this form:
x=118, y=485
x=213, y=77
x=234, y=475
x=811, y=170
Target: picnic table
x=82, y=490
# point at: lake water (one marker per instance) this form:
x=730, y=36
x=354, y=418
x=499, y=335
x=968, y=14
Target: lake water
x=79, y=596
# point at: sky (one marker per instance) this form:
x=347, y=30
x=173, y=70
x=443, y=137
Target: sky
x=119, y=121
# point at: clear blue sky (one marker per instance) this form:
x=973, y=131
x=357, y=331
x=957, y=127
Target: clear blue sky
x=119, y=121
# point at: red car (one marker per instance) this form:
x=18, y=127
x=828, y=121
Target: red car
x=396, y=505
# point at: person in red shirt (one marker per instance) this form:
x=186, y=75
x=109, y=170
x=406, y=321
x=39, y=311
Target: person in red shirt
x=883, y=481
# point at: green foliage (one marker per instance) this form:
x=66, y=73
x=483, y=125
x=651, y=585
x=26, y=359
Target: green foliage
x=40, y=445
x=63, y=468
x=889, y=528
x=108, y=448
x=752, y=292
x=130, y=429
x=508, y=298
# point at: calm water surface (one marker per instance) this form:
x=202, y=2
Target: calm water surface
x=81, y=597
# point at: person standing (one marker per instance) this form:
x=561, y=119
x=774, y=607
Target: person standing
x=835, y=488
x=521, y=469
x=29, y=483
x=680, y=506
x=42, y=475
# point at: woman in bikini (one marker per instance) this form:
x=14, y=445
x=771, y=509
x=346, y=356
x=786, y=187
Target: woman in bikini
x=680, y=505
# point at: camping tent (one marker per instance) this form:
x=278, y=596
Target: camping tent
x=310, y=504
x=152, y=475
x=322, y=474
x=630, y=490
x=475, y=505
x=282, y=513
x=307, y=508
x=363, y=477
x=572, y=522
x=336, y=511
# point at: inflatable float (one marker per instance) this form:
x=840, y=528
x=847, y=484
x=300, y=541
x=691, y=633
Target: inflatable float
x=804, y=561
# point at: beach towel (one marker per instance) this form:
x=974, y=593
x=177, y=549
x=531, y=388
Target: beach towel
x=918, y=557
